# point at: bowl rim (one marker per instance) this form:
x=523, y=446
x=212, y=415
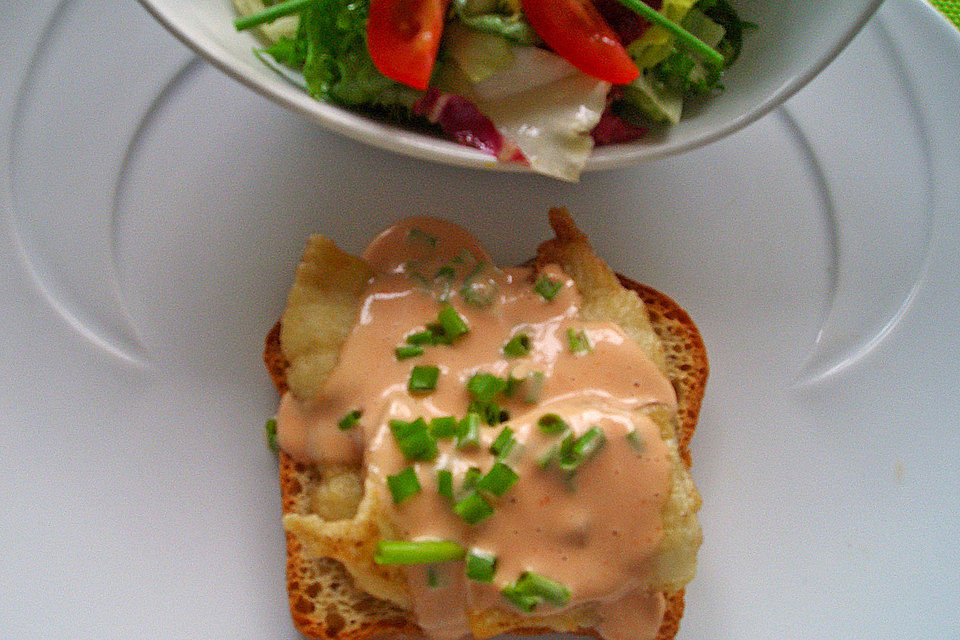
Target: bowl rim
x=425, y=147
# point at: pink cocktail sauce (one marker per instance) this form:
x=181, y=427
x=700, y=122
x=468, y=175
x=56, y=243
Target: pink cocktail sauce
x=598, y=533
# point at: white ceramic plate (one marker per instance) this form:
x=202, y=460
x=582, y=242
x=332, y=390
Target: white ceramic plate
x=153, y=210
x=797, y=40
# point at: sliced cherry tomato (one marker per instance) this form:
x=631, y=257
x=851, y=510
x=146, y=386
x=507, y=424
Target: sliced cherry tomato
x=578, y=33
x=403, y=37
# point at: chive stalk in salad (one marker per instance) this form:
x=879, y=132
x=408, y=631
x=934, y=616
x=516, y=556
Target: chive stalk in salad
x=533, y=81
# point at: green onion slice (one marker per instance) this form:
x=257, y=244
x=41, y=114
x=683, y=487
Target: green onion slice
x=421, y=338
x=552, y=424
x=405, y=351
x=350, y=420
x=484, y=387
x=519, y=599
x=413, y=439
x=489, y=412
x=437, y=334
x=481, y=565
x=589, y=443
x=473, y=508
x=498, y=480
x=577, y=340
x=443, y=427
x=534, y=387
x=636, y=441
x=513, y=384
x=517, y=346
x=575, y=451
x=445, y=483
x=403, y=485
x=270, y=431
x=452, y=322
x=423, y=378
x=503, y=443
x=471, y=478
x=550, y=455
x=468, y=431
x=547, y=287
x=419, y=552
x=534, y=584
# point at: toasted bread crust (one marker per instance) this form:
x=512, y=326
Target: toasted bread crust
x=325, y=604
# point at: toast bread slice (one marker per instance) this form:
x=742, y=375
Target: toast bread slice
x=325, y=603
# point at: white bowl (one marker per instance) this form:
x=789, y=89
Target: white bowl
x=795, y=41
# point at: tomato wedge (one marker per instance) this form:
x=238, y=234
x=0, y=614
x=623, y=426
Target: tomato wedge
x=577, y=32
x=403, y=37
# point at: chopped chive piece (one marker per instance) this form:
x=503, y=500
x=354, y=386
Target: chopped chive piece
x=535, y=584
x=484, y=387
x=413, y=439
x=445, y=483
x=438, y=335
x=552, y=424
x=350, y=420
x=534, y=387
x=519, y=599
x=479, y=294
x=503, y=443
x=471, y=478
x=421, y=338
x=517, y=346
x=270, y=14
x=498, y=479
x=423, y=378
x=270, y=431
x=433, y=580
x=405, y=351
x=547, y=287
x=422, y=552
x=490, y=412
x=588, y=443
x=573, y=452
x=452, y=322
x=565, y=458
x=512, y=385
x=481, y=565
x=577, y=340
x=473, y=508
x=468, y=431
x=636, y=441
x=403, y=485
x=443, y=427
x=549, y=456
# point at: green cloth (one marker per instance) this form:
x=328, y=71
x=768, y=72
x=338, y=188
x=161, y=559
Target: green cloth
x=949, y=8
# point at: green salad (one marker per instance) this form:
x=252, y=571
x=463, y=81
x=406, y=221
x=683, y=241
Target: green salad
x=540, y=82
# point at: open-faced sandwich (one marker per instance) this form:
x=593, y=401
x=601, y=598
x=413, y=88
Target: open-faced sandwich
x=467, y=450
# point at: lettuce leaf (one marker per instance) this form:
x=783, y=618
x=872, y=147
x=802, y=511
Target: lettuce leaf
x=502, y=17
x=329, y=48
x=546, y=107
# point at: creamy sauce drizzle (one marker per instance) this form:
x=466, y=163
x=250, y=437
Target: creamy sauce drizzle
x=597, y=534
